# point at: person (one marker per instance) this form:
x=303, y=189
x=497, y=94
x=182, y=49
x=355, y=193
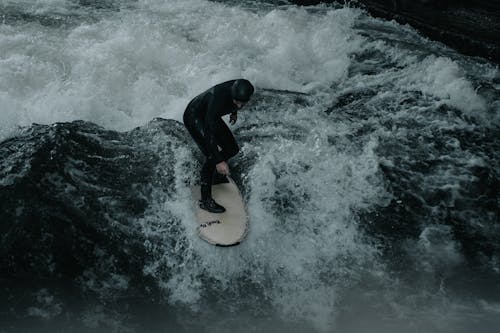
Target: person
x=203, y=120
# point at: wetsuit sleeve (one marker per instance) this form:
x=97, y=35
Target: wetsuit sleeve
x=212, y=119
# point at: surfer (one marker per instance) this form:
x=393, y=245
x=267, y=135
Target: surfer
x=203, y=121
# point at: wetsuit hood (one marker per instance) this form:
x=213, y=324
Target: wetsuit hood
x=242, y=90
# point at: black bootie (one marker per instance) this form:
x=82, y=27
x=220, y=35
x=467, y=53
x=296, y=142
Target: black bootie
x=211, y=206
x=206, y=202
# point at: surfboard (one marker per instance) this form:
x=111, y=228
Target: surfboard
x=224, y=229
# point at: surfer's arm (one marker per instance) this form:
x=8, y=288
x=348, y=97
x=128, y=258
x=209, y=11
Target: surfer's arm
x=211, y=119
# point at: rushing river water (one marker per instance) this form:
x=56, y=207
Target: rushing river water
x=369, y=163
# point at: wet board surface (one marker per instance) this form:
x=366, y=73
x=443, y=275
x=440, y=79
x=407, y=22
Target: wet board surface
x=225, y=229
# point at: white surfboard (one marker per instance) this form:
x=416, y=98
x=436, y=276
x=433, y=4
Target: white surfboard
x=228, y=228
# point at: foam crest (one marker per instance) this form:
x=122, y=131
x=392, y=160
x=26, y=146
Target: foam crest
x=126, y=69
x=443, y=78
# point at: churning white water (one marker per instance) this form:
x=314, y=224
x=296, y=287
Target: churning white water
x=148, y=61
x=333, y=87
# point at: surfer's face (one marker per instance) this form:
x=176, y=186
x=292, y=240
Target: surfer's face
x=238, y=104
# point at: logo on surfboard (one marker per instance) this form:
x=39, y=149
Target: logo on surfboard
x=209, y=223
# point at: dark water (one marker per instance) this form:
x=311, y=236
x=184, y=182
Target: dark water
x=369, y=164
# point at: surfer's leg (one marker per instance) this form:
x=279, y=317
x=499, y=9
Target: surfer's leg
x=207, y=202
x=207, y=170
x=194, y=126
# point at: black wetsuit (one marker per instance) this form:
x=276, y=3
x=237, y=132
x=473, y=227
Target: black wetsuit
x=203, y=121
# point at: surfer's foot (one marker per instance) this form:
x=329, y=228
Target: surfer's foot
x=219, y=179
x=211, y=206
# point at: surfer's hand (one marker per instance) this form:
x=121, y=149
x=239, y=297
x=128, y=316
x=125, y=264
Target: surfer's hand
x=222, y=168
x=233, y=118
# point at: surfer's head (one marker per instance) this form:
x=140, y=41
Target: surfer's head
x=241, y=91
